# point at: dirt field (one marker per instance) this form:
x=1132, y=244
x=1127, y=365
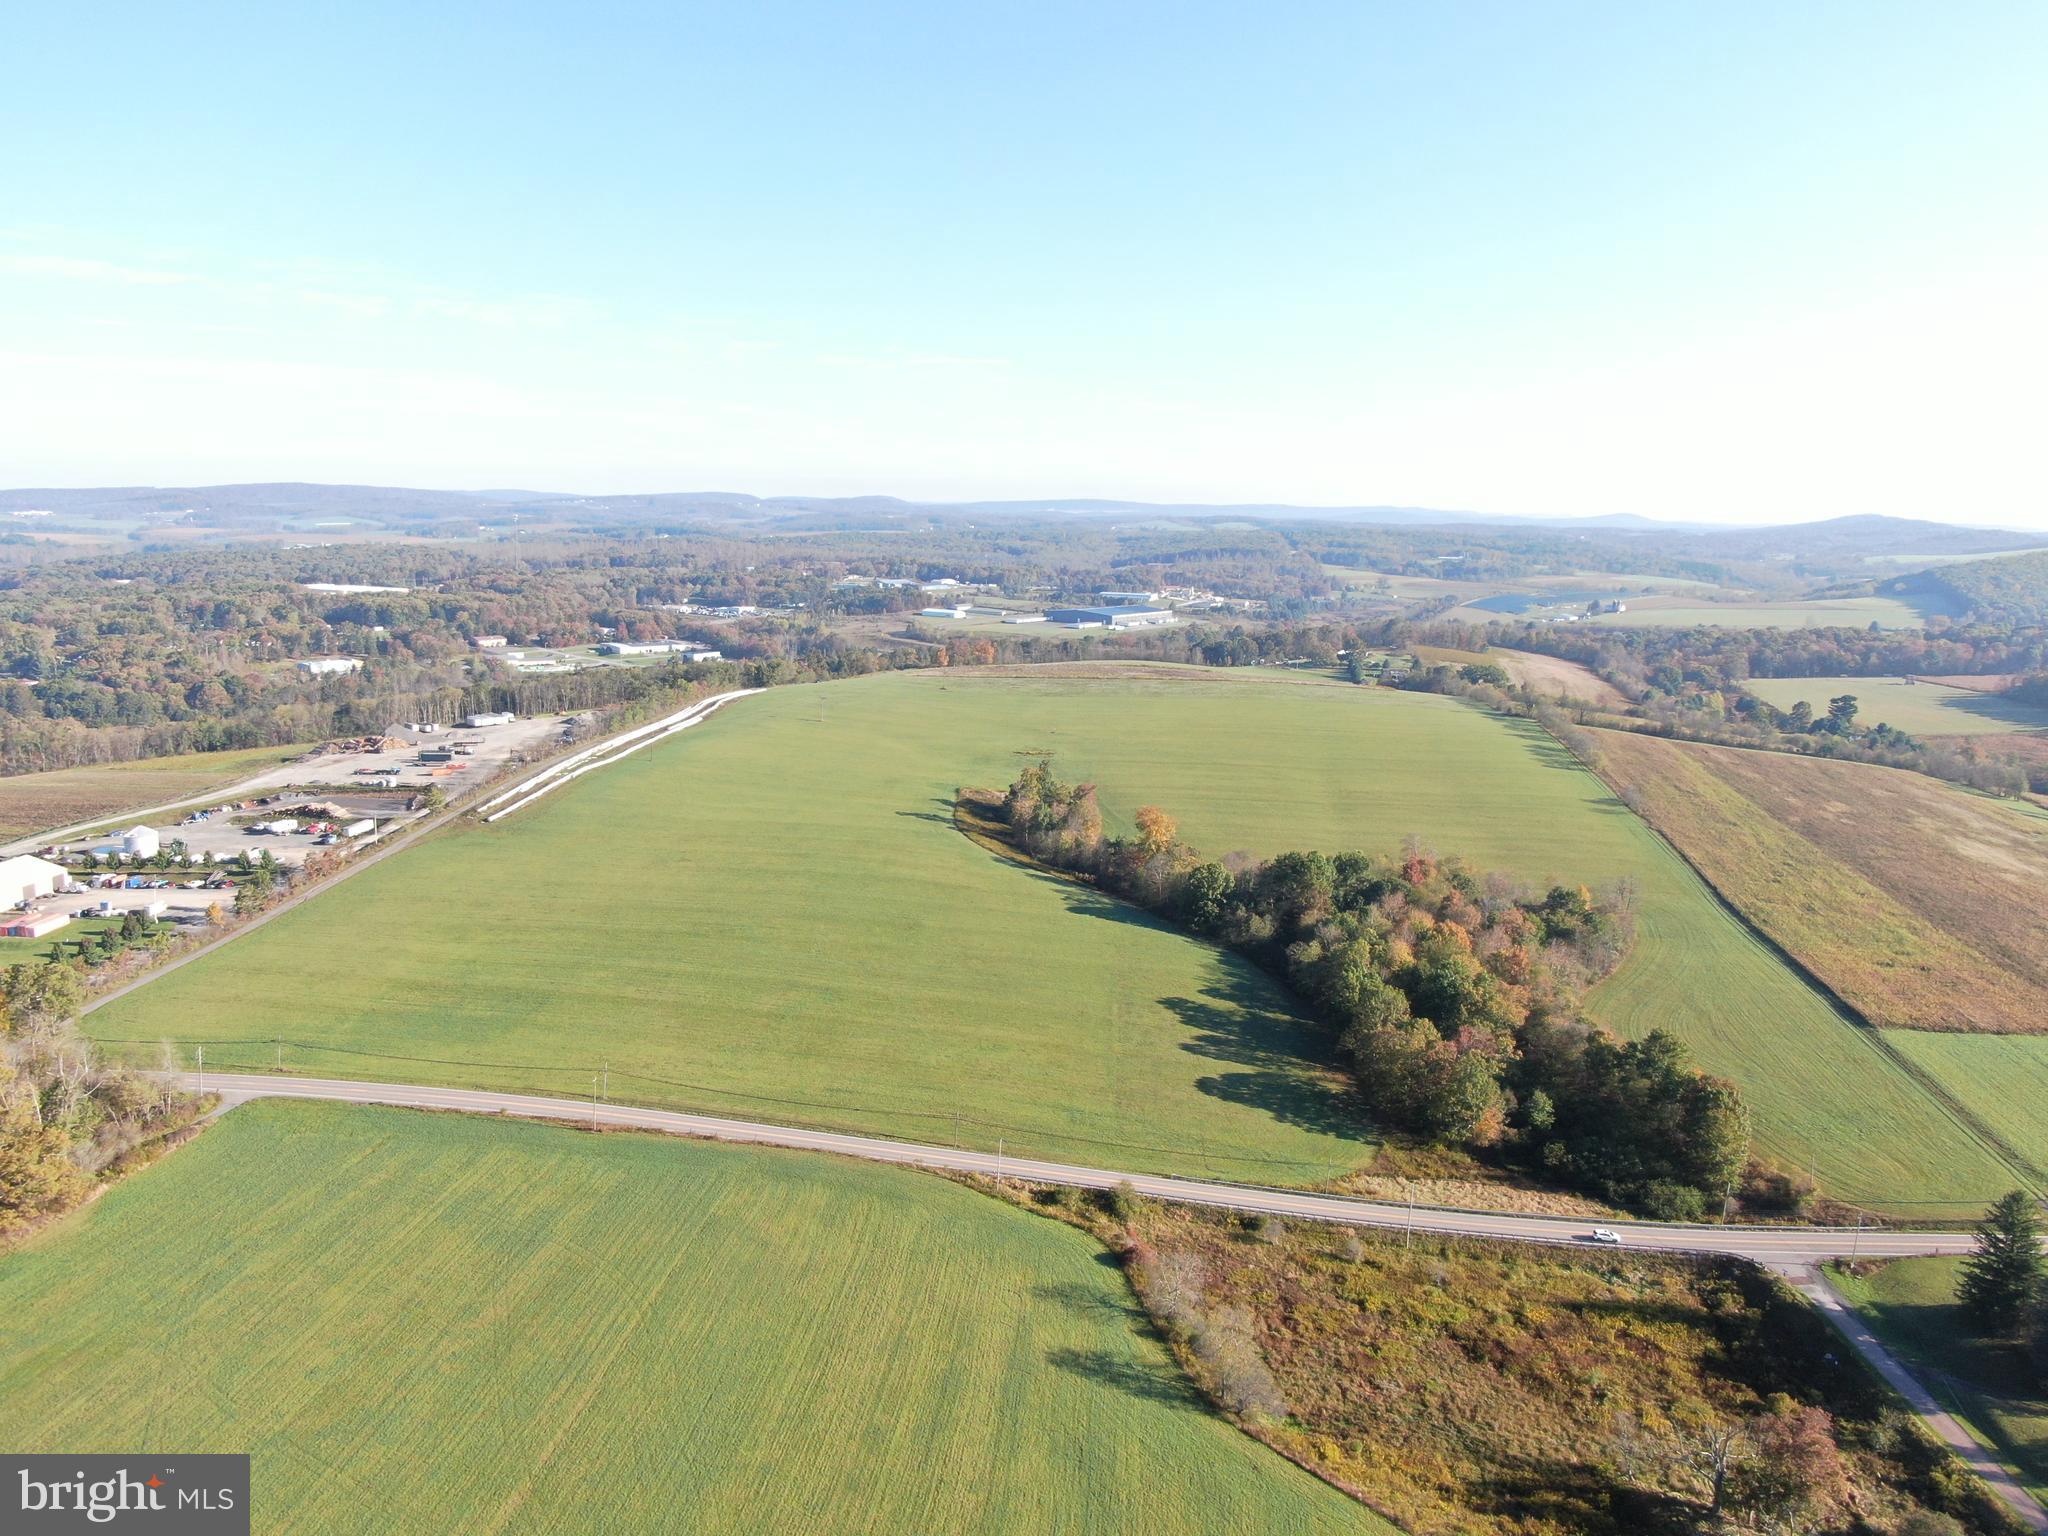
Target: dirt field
x=1937, y=923
x=32, y=802
x=1560, y=678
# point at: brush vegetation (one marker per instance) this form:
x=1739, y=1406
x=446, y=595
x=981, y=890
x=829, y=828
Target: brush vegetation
x=1504, y=1389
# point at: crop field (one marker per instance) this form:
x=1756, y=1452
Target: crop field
x=38, y=802
x=2003, y=1078
x=425, y=1323
x=774, y=916
x=1919, y=709
x=1910, y=1304
x=1936, y=925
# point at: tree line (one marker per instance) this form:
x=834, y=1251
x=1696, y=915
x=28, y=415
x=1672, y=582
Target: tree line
x=1454, y=995
x=68, y=1119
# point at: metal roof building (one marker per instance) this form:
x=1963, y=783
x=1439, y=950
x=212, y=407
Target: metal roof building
x=1113, y=616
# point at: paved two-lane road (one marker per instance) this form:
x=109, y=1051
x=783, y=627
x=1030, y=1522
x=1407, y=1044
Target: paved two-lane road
x=1786, y=1248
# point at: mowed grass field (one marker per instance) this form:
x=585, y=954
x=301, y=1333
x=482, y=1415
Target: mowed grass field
x=772, y=915
x=1919, y=709
x=39, y=802
x=1937, y=923
x=1910, y=1304
x=430, y=1323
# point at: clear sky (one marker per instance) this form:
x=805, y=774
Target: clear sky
x=1743, y=261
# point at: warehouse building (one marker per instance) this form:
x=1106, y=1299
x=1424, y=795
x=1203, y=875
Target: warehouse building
x=494, y=717
x=321, y=666
x=25, y=877
x=1110, y=617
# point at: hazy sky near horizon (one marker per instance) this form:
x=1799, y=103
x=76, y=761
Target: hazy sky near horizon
x=1750, y=262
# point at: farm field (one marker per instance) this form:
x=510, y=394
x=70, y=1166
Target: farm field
x=1938, y=924
x=1919, y=709
x=797, y=932
x=38, y=802
x=1794, y=613
x=2003, y=1078
x=1910, y=1304
x=424, y=1323
x=1557, y=677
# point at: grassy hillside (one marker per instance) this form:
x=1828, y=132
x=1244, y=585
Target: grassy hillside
x=38, y=802
x=419, y=1323
x=1911, y=1305
x=772, y=915
x=1936, y=924
x=1919, y=709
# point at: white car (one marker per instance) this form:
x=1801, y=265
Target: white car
x=1605, y=1235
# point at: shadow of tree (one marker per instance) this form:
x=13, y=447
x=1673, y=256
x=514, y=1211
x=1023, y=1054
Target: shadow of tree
x=1241, y=1017
x=1148, y=1383
x=1235, y=1021
x=1091, y=1300
x=1579, y=1496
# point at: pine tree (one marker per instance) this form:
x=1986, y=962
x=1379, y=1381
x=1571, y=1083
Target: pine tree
x=2003, y=1278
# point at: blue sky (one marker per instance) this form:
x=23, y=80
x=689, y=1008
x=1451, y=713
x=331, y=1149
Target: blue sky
x=1740, y=261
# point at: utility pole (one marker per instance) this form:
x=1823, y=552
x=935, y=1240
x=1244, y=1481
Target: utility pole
x=1408, y=1233
x=999, y=1159
x=279, y=1042
x=1856, y=1243
x=202, y=1069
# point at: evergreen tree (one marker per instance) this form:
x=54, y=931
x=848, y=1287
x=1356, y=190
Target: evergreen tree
x=2003, y=1278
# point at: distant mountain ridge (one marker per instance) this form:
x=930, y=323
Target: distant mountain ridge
x=289, y=504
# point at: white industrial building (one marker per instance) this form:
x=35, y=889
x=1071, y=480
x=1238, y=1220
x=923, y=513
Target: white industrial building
x=493, y=717
x=489, y=642
x=320, y=666
x=25, y=877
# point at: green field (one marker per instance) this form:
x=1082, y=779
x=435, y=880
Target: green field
x=428, y=1323
x=1919, y=709
x=2004, y=1078
x=783, y=923
x=1911, y=1305
x=14, y=950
